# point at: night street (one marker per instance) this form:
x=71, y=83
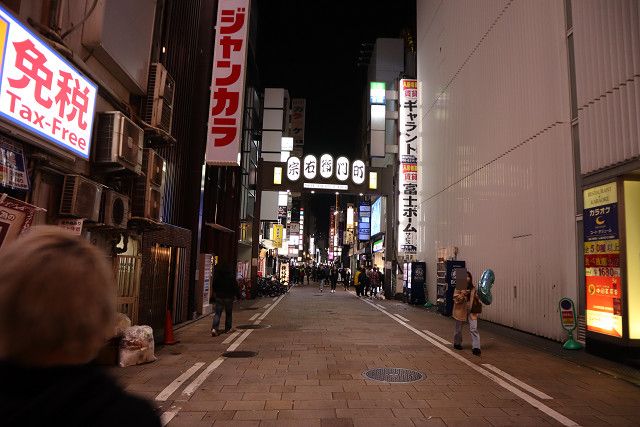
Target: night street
x=310, y=359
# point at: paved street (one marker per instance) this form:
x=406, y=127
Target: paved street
x=309, y=367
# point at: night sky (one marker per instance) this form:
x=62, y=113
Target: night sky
x=311, y=48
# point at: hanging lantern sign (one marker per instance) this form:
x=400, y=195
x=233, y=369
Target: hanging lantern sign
x=358, y=172
x=342, y=168
x=326, y=166
x=310, y=167
x=293, y=168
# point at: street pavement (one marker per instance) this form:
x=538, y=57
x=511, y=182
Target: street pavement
x=308, y=371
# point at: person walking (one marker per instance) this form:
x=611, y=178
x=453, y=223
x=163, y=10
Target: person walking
x=225, y=288
x=365, y=282
x=375, y=279
x=334, y=280
x=466, y=308
x=322, y=276
x=347, y=279
x=57, y=307
x=356, y=281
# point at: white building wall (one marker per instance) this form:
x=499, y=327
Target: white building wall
x=496, y=160
x=607, y=57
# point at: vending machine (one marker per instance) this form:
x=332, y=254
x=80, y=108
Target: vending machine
x=447, y=285
x=415, y=274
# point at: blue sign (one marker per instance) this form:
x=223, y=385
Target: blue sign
x=601, y=223
x=364, y=221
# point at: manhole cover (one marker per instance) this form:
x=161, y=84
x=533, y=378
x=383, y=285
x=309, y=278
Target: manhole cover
x=240, y=354
x=394, y=375
x=258, y=326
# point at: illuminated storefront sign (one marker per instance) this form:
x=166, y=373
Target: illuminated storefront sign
x=227, y=83
x=378, y=245
x=286, y=143
x=43, y=93
x=377, y=93
x=317, y=186
x=409, y=144
x=277, y=176
x=602, y=260
x=364, y=221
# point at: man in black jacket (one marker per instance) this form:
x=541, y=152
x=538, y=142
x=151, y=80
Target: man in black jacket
x=225, y=288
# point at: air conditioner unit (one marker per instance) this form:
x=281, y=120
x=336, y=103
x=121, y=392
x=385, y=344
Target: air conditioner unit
x=153, y=167
x=147, y=200
x=160, y=96
x=81, y=198
x=116, y=211
x=119, y=142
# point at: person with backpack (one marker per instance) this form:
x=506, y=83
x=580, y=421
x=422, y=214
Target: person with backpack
x=466, y=308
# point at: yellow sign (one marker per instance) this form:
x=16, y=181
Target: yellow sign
x=277, y=235
x=602, y=247
x=601, y=195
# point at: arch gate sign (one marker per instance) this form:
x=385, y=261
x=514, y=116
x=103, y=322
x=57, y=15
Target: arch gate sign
x=325, y=174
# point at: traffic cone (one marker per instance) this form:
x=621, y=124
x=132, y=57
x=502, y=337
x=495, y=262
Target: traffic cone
x=169, y=339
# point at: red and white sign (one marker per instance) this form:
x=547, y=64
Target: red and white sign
x=15, y=217
x=227, y=83
x=409, y=183
x=41, y=92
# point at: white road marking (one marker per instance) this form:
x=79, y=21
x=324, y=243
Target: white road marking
x=191, y=388
x=231, y=337
x=519, y=383
x=266, y=306
x=271, y=308
x=171, y=388
x=504, y=384
x=274, y=298
x=381, y=306
x=254, y=317
x=236, y=344
x=401, y=318
x=438, y=337
x=166, y=417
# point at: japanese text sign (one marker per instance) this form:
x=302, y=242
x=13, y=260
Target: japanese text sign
x=602, y=260
x=409, y=144
x=224, y=131
x=43, y=93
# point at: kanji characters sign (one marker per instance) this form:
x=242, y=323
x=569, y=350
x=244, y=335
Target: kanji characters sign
x=409, y=145
x=41, y=92
x=227, y=83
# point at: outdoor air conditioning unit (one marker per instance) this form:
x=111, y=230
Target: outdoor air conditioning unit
x=81, y=198
x=147, y=200
x=153, y=167
x=160, y=96
x=116, y=211
x=119, y=142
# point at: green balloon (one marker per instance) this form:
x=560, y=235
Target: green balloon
x=485, y=285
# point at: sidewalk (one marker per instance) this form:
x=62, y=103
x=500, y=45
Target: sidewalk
x=308, y=367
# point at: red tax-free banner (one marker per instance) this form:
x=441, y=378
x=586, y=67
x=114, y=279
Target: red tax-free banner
x=224, y=129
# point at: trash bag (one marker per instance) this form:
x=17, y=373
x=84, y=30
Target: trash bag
x=485, y=285
x=122, y=323
x=137, y=346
